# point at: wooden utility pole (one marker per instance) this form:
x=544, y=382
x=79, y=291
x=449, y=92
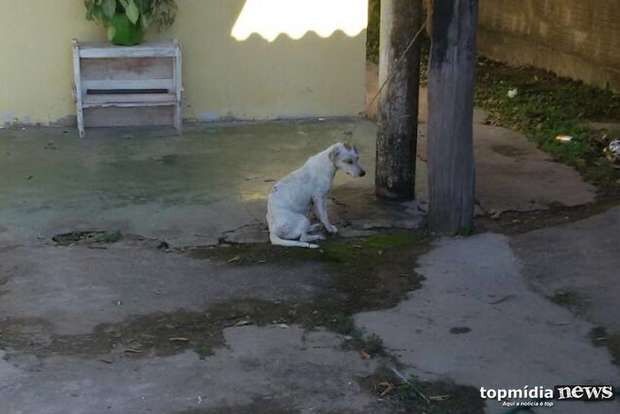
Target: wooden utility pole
x=451, y=175
x=398, y=104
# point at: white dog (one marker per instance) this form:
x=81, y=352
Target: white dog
x=289, y=201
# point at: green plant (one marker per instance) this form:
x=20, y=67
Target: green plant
x=546, y=106
x=372, y=34
x=143, y=13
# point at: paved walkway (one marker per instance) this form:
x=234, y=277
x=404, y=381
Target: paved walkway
x=478, y=320
x=152, y=320
x=511, y=173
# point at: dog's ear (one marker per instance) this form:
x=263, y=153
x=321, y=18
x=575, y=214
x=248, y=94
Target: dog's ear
x=334, y=153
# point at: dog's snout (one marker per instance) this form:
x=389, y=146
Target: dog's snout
x=362, y=173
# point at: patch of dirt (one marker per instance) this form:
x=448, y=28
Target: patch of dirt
x=158, y=334
x=24, y=334
x=509, y=151
x=87, y=237
x=369, y=273
x=570, y=299
x=518, y=222
x=100, y=239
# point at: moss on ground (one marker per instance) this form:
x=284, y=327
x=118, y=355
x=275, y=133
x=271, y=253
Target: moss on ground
x=600, y=337
x=374, y=272
x=367, y=274
x=370, y=273
x=570, y=299
x=613, y=345
x=519, y=222
x=430, y=397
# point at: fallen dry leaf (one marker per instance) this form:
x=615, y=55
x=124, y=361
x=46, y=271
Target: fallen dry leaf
x=387, y=388
x=178, y=339
x=442, y=397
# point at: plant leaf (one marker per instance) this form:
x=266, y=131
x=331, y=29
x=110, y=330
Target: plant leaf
x=145, y=20
x=109, y=8
x=111, y=32
x=132, y=11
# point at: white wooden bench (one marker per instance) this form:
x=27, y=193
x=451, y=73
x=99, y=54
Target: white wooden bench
x=128, y=86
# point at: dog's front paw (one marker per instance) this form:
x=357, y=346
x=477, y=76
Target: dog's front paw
x=331, y=228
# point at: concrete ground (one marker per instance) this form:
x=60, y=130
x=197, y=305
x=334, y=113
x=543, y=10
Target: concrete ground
x=478, y=321
x=511, y=173
x=163, y=311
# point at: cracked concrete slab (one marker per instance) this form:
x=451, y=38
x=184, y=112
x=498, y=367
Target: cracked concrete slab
x=209, y=186
x=578, y=259
x=477, y=321
x=305, y=372
x=75, y=289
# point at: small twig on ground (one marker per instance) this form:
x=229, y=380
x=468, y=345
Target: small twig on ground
x=413, y=387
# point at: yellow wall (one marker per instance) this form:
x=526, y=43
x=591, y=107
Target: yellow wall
x=223, y=77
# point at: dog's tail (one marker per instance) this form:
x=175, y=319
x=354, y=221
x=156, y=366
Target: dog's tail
x=277, y=241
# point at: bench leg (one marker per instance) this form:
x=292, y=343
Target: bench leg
x=178, y=119
x=80, y=122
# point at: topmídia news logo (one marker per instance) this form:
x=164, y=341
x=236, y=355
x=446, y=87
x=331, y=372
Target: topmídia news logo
x=539, y=396
x=584, y=392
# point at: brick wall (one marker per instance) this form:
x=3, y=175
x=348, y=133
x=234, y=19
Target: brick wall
x=579, y=39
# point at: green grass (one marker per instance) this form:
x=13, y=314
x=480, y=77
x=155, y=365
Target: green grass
x=367, y=273
x=546, y=106
x=429, y=397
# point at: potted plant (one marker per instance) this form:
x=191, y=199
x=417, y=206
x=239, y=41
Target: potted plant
x=127, y=20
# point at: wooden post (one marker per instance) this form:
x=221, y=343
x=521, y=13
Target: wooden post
x=398, y=104
x=451, y=177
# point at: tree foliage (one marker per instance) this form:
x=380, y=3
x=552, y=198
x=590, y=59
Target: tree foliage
x=372, y=33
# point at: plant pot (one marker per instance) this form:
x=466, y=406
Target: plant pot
x=124, y=33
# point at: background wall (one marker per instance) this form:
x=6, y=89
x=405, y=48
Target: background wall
x=574, y=38
x=252, y=79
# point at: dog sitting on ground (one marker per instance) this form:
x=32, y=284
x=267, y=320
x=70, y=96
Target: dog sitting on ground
x=289, y=202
